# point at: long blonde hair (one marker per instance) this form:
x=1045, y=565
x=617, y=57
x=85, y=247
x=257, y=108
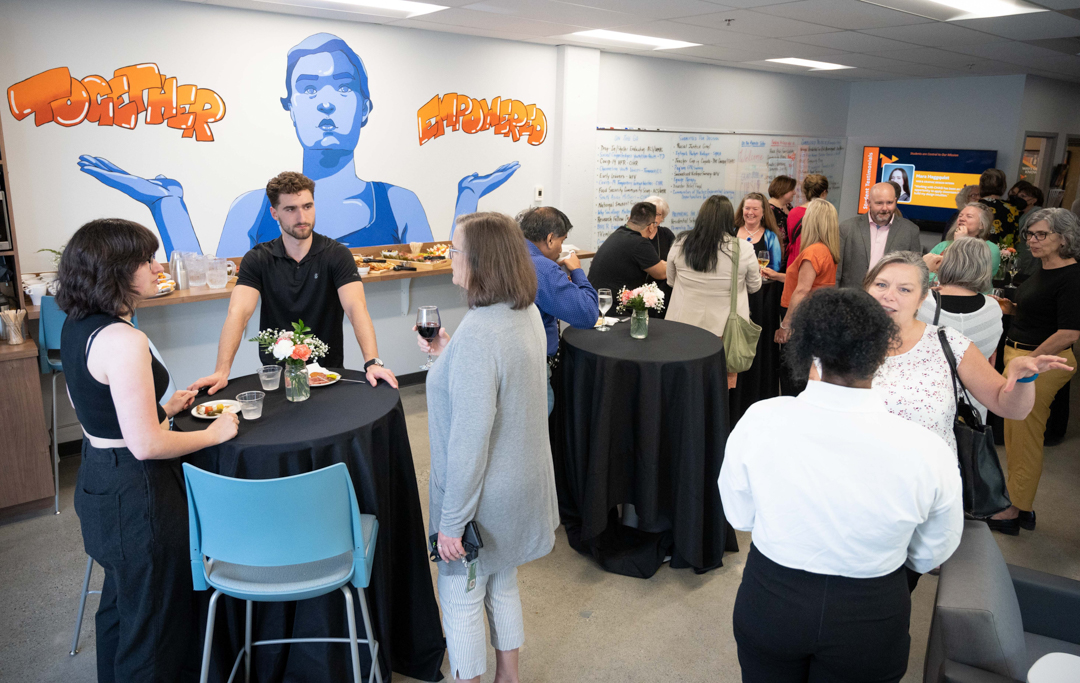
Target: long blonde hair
x=821, y=224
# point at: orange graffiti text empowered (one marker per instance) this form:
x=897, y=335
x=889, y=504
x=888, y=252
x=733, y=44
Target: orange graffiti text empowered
x=510, y=118
x=54, y=96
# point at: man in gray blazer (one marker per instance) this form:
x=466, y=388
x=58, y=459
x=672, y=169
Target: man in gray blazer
x=864, y=239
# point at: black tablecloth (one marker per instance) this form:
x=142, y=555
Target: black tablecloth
x=642, y=422
x=363, y=427
x=762, y=380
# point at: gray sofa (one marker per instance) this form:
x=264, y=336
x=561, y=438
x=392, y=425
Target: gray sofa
x=992, y=620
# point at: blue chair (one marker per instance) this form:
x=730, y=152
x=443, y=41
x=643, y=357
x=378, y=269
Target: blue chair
x=269, y=540
x=49, y=327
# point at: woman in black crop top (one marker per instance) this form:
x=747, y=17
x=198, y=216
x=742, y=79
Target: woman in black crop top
x=130, y=494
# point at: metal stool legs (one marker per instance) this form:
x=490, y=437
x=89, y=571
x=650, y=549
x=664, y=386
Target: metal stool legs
x=56, y=463
x=82, y=606
x=353, y=641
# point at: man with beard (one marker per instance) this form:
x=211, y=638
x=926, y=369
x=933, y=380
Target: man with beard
x=301, y=275
x=865, y=239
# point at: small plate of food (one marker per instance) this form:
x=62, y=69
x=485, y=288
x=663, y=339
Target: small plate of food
x=165, y=285
x=212, y=409
x=318, y=376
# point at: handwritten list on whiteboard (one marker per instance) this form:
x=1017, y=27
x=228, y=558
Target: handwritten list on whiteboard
x=688, y=168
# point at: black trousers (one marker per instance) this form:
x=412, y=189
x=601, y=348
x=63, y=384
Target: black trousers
x=134, y=523
x=792, y=625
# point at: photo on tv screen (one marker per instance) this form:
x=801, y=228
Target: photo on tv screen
x=929, y=179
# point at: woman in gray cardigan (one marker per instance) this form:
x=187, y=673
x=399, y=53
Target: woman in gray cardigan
x=490, y=456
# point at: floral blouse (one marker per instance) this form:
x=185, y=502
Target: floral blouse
x=1005, y=228
x=917, y=385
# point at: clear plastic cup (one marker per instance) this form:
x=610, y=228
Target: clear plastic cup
x=217, y=276
x=251, y=404
x=270, y=377
x=195, y=264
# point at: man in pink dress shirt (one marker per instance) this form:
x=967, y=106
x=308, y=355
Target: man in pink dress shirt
x=864, y=239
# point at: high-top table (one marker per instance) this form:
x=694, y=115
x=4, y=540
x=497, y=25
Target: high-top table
x=363, y=427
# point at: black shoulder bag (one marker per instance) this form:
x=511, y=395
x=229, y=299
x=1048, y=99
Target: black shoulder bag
x=985, y=493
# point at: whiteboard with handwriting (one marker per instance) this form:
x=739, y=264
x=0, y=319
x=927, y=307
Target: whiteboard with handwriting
x=687, y=168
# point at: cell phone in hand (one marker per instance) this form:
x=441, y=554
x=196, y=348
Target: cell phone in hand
x=470, y=540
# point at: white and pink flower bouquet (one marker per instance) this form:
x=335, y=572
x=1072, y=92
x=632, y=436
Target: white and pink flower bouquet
x=295, y=347
x=644, y=297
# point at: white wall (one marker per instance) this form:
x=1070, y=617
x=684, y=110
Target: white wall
x=1049, y=106
x=957, y=113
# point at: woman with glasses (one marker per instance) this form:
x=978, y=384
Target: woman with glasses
x=1046, y=321
x=490, y=454
x=130, y=494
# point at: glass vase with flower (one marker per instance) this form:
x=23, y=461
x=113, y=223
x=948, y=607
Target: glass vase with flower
x=295, y=348
x=639, y=301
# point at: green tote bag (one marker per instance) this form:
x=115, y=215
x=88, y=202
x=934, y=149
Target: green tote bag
x=740, y=335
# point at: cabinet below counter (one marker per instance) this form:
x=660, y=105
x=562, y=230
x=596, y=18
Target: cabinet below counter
x=25, y=460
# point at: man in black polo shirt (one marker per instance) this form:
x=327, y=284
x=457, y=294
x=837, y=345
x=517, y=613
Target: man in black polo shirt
x=627, y=257
x=301, y=275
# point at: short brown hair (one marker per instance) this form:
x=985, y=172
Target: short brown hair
x=98, y=265
x=500, y=270
x=992, y=182
x=814, y=185
x=781, y=185
x=289, y=182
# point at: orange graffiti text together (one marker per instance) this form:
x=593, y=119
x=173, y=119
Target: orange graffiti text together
x=510, y=118
x=54, y=96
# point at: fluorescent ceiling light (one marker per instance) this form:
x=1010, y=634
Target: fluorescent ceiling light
x=813, y=66
x=634, y=39
x=399, y=9
x=985, y=9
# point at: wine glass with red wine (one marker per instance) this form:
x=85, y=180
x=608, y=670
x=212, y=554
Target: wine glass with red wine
x=428, y=325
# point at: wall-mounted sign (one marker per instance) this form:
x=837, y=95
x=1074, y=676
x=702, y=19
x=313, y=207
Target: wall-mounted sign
x=510, y=118
x=53, y=96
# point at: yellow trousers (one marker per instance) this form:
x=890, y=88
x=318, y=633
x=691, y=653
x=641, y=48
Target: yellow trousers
x=1024, y=438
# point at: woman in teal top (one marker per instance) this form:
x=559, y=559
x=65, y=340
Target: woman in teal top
x=973, y=221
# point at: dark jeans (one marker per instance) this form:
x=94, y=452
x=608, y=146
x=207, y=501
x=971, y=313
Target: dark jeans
x=134, y=523
x=792, y=625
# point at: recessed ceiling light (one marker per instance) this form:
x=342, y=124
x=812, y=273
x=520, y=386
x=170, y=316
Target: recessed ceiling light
x=400, y=9
x=813, y=66
x=633, y=39
x=985, y=9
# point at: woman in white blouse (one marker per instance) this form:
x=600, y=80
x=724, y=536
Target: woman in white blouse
x=835, y=519
x=915, y=380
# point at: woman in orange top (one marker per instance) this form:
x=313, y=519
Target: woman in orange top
x=815, y=263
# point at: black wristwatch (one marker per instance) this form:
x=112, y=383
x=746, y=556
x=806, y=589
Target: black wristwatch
x=373, y=361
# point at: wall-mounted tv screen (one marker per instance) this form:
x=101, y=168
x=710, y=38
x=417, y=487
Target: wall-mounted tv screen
x=929, y=178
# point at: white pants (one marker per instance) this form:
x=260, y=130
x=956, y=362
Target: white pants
x=463, y=621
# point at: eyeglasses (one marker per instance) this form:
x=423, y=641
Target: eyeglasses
x=1037, y=235
x=453, y=251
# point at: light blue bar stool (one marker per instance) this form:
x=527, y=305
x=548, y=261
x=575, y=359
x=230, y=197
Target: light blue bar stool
x=272, y=540
x=50, y=325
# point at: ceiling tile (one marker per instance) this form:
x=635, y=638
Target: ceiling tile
x=871, y=75
x=1030, y=56
x=420, y=24
x=846, y=14
x=851, y=41
x=786, y=48
x=547, y=10
x=499, y=22
x=651, y=9
x=747, y=4
x=756, y=23
x=871, y=61
x=1057, y=4
x=935, y=34
x=922, y=70
x=1027, y=26
x=726, y=54
x=929, y=55
x=688, y=32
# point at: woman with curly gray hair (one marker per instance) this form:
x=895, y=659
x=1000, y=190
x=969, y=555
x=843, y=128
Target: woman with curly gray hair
x=1046, y=320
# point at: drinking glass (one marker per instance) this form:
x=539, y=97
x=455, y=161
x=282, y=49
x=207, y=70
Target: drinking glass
x=763, y=259
x=604, y=300
x=428, y=325
x=195, y=264
x=251, y=404
x=270, y=377
x=217, y=276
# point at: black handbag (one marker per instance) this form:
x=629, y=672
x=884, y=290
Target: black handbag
x=984, y=489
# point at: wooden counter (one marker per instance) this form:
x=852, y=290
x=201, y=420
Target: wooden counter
x=196, y=294
x=27, y=480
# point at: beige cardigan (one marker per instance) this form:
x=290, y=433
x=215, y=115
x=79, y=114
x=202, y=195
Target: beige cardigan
x=704, y=299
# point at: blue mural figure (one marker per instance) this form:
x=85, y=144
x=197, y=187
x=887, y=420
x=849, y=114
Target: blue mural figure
x=328, y=99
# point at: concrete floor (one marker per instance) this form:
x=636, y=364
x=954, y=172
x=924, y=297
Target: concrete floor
x=582, y=624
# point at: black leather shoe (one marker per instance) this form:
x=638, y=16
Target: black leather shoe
x=1009, y=527
x=1027, y=520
